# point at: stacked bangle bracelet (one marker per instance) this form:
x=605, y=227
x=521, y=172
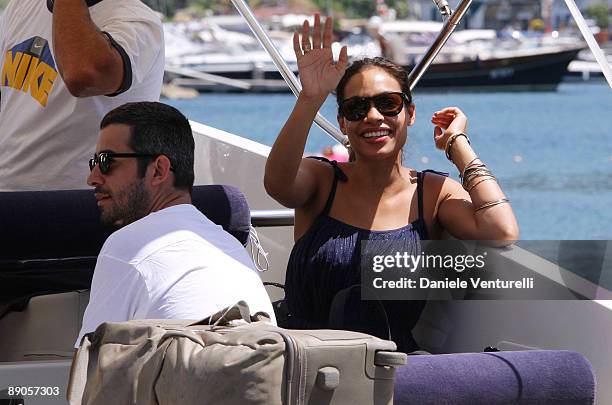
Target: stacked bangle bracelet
x=472, y=171
x=451, y=141
x=491, y=204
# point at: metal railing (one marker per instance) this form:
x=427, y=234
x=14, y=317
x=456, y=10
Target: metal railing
x=267, y=218
x=452, y=21
x=281, y=65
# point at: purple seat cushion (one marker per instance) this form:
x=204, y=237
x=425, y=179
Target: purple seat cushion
x=524, y=377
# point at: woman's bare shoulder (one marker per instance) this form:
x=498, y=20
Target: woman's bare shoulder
x=322, y=171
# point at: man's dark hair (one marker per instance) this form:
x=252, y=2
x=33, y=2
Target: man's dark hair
x=158, y=129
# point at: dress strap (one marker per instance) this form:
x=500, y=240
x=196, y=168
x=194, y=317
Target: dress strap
x=338, y=175
x=420, y=181
x=420, y=176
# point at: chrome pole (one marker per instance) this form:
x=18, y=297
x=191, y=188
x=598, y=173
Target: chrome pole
x=264, y=218
x=448, y=28
x=244, y=9
x=600, y=57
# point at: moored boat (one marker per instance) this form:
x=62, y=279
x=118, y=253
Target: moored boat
x=540, y=70
x=473, y=58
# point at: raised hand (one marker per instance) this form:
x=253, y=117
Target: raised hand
x=447, y=121
x=319, y=74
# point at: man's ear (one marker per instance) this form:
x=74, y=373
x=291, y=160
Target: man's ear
x=161, y=169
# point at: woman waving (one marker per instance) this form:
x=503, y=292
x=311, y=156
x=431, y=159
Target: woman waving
x=373, y=197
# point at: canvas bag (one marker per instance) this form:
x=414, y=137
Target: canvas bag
x=230, y=362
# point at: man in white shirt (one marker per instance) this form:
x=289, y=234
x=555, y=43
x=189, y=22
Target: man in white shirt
x=167, y=260
x=64, y=64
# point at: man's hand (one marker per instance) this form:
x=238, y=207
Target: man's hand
x=86, y=60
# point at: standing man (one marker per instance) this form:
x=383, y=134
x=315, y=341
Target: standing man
x=66, y=63
x=167, y=260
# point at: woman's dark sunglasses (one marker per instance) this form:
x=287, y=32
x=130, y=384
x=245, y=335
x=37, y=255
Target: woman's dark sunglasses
x=104, y=159
x=388, y=104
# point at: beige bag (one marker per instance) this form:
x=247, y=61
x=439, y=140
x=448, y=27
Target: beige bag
x=174, y=362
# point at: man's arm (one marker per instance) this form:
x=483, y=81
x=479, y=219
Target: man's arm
x=2, y=36
x=87, y=61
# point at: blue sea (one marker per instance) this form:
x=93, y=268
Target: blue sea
x=551, y=151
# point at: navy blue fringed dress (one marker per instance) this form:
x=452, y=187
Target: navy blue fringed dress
x=326, y=260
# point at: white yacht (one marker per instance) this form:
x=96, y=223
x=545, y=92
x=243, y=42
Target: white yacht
x=480, y=58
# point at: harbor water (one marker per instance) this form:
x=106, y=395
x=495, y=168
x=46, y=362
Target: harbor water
x=551, y=151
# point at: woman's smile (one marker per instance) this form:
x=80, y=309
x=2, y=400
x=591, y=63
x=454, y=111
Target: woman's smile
x=377, y=135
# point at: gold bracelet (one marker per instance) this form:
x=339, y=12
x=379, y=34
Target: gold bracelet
x=472, y=169
x=476, y=173
x=461, y=174
x=473, y=175
x=492, y=204
x=483, y=180
x=451, y=140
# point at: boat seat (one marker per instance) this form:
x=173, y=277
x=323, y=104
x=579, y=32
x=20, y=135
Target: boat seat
x=543, y=377
x=45, y=330
x=48, y=248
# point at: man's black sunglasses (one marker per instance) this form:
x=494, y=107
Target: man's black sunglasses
x=104, y=159
x=388, y=104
